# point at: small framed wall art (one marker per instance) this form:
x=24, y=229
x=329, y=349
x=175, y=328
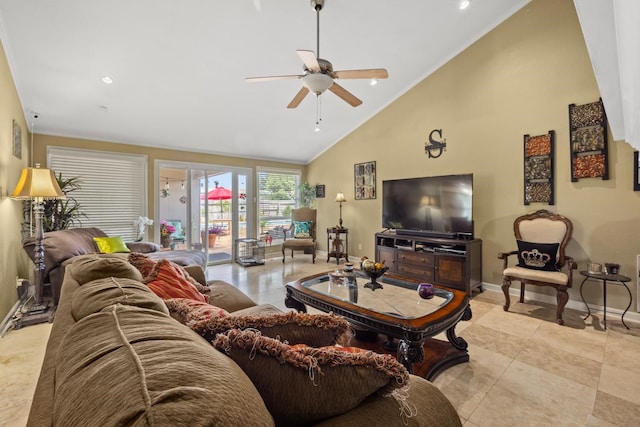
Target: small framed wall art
x=364, y=178
x=320, y=191
x=636, y=172
x=17, y=140
x=589, y=148
x=539, y=168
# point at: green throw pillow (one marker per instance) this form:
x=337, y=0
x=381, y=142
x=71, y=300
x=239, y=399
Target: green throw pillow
x=302, y=228
x=109, y=245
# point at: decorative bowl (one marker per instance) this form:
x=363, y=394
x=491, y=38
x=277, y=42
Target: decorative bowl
x=426, y=290
x=374, y=274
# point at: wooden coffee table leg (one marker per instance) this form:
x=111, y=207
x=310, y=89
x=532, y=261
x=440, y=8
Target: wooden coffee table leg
x=455, y=340
x=410, y=352
x=291, y=302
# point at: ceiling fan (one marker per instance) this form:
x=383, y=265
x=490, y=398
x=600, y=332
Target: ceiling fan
x=319, y=74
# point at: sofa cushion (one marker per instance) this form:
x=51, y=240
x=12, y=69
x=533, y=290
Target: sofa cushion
x=88, y=268
x=301, y=385
x=186, y=310
x=94, y=296
x=110, y=245
x=145, y=265
x=133, y=366
x=167, y=281
x=292, y=327
x=227, y=296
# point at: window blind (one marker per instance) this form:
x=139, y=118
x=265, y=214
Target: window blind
x=113, y=187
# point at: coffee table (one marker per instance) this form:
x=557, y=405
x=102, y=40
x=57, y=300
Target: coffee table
x=395, y=311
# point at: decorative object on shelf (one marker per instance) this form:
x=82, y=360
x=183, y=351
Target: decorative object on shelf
x=374, y=270
x=426, y=290
x=636, y=175
x=611, y=268
x=589, y=147
x=539, y=168
x=340, y=199
x=37, y=185
x=17, y=140
x=365, y=180
x=166, y=230
x=320, y=191
x=594, y=268
x=433, y=148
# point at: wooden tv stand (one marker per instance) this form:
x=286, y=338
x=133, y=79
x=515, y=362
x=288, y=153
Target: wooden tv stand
x=452, y=263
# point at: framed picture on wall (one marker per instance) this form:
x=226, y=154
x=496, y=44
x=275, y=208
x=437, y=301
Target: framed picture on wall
x=636, y=174
x=320, y=191
x=364, y=178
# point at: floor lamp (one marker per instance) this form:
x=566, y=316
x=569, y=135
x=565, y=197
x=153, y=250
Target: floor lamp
x=340, y=199
x=37, y=185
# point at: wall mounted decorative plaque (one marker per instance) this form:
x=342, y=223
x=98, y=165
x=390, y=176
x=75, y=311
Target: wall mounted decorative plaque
x=539, y=168
x=589, y=148
x=364, y=178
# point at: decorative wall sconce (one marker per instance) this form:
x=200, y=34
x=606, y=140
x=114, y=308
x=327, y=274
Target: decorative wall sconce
x=433, y=148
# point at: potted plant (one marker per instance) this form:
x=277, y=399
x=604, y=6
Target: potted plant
x=166, y=230
x=306, y=194
x=213, y=232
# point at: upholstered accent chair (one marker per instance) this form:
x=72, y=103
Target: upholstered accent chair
x=542, y=238
x=178, y=235
x=301, y=235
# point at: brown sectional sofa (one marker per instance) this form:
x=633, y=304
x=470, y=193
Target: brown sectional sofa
x=116, y=357
x=62, y=245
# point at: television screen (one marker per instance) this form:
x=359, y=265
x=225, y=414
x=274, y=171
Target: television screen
x=437, y=205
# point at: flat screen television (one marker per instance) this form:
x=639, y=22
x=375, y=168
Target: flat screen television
x=437, y=206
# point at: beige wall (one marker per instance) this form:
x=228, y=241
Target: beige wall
x=13, y=262
x=519, y=79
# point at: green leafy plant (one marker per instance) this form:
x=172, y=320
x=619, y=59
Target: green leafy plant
x=58, y=214
x=306, y=194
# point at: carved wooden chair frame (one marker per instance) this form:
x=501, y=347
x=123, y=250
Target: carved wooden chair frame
x=511, y=274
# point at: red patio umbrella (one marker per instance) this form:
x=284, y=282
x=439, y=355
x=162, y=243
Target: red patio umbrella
x=218, y=193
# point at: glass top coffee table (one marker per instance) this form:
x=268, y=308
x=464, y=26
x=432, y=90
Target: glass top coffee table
x=396, y=311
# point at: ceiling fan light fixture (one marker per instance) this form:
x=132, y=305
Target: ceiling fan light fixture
x=373, y=82
x=317, y=83
x=464, y=4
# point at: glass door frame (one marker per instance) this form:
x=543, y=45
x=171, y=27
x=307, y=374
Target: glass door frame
x=249, y=214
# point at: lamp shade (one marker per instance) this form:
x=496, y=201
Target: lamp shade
x=37, y=183
x=340, y=197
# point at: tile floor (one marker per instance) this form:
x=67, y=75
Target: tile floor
x=524, y=369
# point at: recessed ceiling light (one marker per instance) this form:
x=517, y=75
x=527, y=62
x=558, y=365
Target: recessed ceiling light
x=107, y=80
x=373, y=82
x=465, y=4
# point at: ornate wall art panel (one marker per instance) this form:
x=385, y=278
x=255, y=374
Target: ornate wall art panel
x=364, y=178
x=589, y=148
x=538, y=168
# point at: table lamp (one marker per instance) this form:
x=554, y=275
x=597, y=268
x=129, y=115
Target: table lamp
x=37, y=184
x=340, y=199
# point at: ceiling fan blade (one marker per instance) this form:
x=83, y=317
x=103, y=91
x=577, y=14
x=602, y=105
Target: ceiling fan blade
x=309, y=59
x=345, y=95
x=298, y=98
x=373, y=73
x=270, y=78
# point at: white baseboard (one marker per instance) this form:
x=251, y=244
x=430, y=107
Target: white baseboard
x=4, y=326
x=572, y=304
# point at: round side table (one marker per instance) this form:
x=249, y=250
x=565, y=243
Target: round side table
x=604, y=277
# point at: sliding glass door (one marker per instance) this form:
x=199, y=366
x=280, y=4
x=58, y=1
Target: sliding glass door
x=209, y=204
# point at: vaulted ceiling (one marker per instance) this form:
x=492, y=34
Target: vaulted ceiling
x=179, y=68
